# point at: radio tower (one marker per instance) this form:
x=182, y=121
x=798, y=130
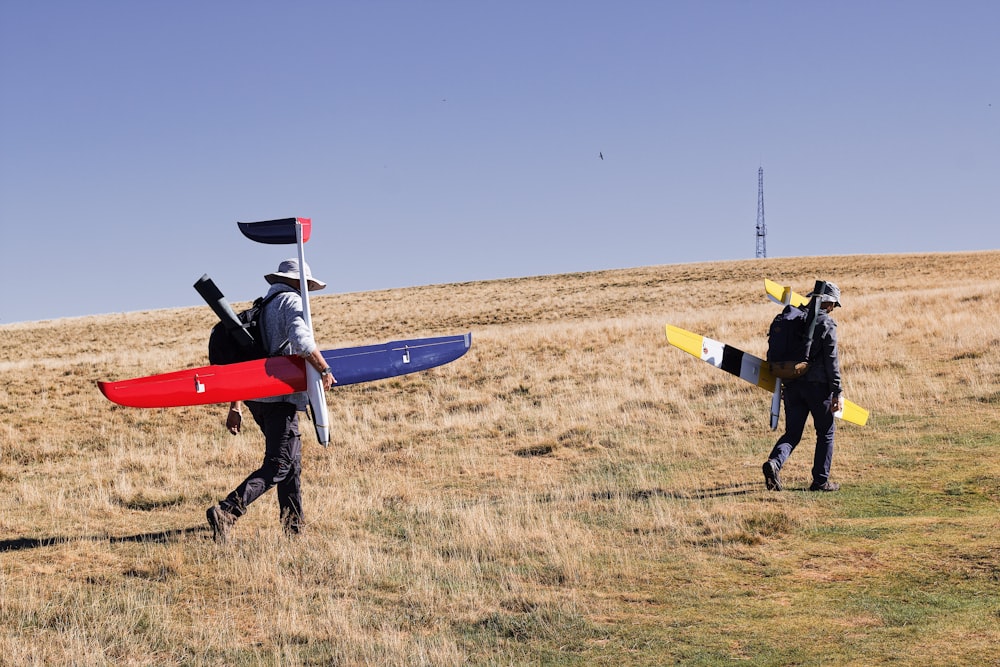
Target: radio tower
x=761, y=228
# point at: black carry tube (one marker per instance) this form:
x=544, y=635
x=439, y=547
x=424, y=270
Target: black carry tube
x=217, y=302
x=814, y=308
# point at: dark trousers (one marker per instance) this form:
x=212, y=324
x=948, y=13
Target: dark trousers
x=282, y=466
x=801, y=400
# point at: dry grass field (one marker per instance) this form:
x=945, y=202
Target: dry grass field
x=573, y=491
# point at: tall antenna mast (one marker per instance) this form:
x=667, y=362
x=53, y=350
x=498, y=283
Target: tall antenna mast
x=761, y=227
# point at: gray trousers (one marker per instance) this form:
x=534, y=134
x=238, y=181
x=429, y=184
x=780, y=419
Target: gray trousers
x=282, y=466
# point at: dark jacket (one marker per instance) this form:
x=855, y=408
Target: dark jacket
x=824, y=357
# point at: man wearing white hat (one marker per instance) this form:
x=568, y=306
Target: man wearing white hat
x=284, y=331
x=819, y=393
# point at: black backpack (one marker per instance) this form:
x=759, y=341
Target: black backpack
x=788, y=342
x=225, y=348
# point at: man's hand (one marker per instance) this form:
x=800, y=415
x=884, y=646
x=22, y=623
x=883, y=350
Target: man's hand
x=316, y=360
x=328, y=381
x=837, y=404
x=234, y=420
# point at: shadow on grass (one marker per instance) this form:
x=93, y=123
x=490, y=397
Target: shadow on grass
x=163, y=536
x=637, y=495
x=726, y=490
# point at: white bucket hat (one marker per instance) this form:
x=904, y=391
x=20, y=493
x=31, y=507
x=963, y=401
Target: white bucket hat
x=831, y=294
x=289, y=270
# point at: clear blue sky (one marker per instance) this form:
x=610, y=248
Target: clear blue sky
x=445, y=141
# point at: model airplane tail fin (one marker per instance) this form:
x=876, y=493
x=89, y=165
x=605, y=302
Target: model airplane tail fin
x=783, y=295
x=276, y=232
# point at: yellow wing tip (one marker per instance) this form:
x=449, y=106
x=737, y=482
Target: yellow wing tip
x=684, y=340
x=854, y=414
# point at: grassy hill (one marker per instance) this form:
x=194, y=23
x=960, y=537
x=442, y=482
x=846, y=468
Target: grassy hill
x=572, y=491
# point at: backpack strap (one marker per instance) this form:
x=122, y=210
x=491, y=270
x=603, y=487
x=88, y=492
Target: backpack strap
x=263, y=302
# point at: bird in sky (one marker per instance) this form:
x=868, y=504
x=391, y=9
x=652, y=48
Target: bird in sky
x=601, y=155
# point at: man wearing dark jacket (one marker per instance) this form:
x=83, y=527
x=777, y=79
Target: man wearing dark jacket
x=819, y=393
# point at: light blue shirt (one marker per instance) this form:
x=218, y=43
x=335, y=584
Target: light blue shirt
x=281, y=321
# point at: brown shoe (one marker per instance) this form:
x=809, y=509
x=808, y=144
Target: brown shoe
x=825, y=486
x=221, y=521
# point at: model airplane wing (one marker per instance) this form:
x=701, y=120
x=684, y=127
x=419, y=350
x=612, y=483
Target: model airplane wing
x=276, y=376
x=744, y=366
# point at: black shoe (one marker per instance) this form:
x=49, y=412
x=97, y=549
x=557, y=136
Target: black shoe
x=825, y=486
x=771, y=479
x=292, y=531
x=221, y=521
x=291, y=523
